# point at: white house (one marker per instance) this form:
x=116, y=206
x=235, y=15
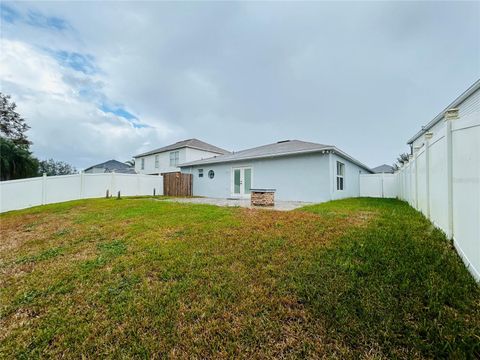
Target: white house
x=383, y=169
x=297, y=170
x=110, y=166
x=167, y=158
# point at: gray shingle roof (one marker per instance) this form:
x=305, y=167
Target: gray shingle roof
x=387, y=169
x=111, y=165
x=191, y=143
x=130, y=170
x=281, y=148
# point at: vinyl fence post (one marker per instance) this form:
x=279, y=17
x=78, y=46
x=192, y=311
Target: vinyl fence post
x=82, y=184
x=44, y=188
x=428, y=136
x=112, y=183
x=160, y=186
x=138, y=184
x=402, y=185
x=410, y=171
x=450, y=114
x=383, y=185
x=415, y=156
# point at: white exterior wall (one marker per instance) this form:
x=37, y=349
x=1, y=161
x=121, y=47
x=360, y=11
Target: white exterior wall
x=458, y=216
x=195, y=154
x=218, y=187
x=185, y=155
x=24, y=193
x=295, y=178
x=351, y=187
x=305, y=177
x=164, y=162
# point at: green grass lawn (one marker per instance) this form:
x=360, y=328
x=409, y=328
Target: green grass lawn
x=356, y=278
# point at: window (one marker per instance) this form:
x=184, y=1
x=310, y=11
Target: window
x=200, y=172
x=174, y=158
x=211, y=174
x=157, y=161
x=340, y=175
x=143, y=164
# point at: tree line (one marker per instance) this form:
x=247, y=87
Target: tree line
x=16, y=159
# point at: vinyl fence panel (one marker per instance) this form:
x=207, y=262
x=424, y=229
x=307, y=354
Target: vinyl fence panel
x=21, y=194
x=466, y=189
x=443, y=181
x=378, y=185
x=24, y=193
x=62, y=188
x=438, y=185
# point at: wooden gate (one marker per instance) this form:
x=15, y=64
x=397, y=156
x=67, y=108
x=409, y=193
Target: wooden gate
x=177, y=184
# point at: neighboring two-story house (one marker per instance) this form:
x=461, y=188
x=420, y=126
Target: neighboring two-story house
x=110, y=166
x=167, y=158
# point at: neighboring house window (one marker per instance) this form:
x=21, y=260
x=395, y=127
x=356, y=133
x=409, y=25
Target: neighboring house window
x=157, y=161
x=340, y=175
x=211, y=174
x=174, y=158
x=200, y=172
x=143, y=164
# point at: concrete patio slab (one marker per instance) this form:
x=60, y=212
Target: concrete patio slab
x=279, y=205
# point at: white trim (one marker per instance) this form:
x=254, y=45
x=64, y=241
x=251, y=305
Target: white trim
x=340, y=176
x=232, y=180
x=160, y=151
x=334, y=150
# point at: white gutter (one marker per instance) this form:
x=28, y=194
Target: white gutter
x=324, y=150
x=153, y=152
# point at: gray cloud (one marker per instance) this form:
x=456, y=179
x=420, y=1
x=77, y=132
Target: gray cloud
x=362, y=76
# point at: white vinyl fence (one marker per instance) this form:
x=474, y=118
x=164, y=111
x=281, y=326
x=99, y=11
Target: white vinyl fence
x=378, y=185
x=442, y=180
x=24, y=193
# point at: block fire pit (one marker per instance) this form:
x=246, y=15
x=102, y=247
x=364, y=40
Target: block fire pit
x=262, y=197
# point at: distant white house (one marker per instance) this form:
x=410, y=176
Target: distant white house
x=110, y=166
x=383, y=169
x=166, y=159
x=297, y=170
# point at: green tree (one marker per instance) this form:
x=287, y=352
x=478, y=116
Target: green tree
x=12, y=125
x=403, y=158
x=16, y=162
x=52, y=168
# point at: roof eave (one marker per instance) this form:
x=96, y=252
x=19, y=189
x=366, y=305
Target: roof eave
x=355, y=161
x=218, y=161
x=178, y=148
x=331, y=148
x=152, y=152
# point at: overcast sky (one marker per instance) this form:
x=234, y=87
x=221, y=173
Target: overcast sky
x=97, y=81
